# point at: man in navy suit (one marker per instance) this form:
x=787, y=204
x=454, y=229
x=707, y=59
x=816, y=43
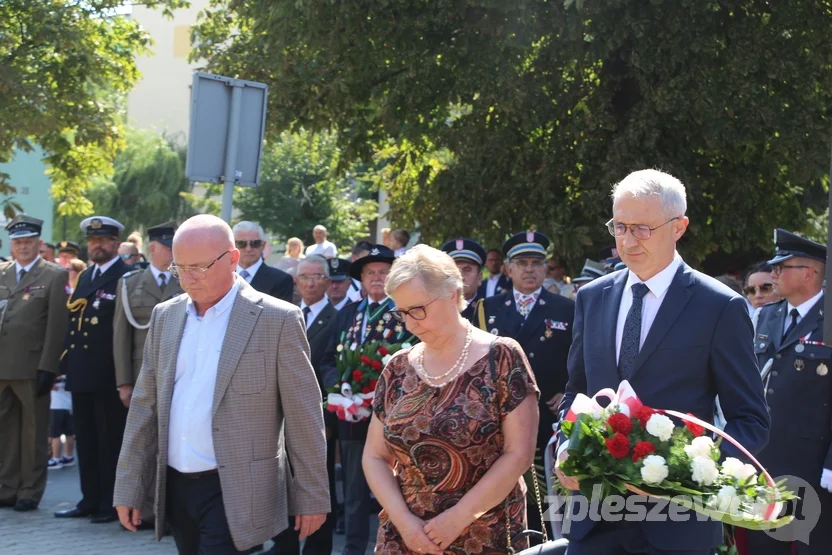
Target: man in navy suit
x=680, y=337
x=250, y=240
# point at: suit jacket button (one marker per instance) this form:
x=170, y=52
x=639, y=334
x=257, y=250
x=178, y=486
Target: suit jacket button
x=531, y=355
x=778, y=356
x=85, y=346
x=770, y=391
x=774, y=374
x=72, y=332
x=72, y=346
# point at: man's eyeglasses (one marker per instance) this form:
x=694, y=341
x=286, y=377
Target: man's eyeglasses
x=196, y=272
x=255, y=244
x=417, y=312
x=312, y=277
x=765, y=289
x=777, y=269
x=639, y=231
x=526, y=263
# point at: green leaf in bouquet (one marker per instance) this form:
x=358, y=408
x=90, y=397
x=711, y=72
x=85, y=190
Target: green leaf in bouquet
x=566, y=428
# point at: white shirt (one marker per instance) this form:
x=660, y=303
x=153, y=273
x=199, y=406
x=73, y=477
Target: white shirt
x=534, y=295
x=400, y=252
x=156, y=273
x=61, y=399
x=190, y=443
x=343, y=303
x=803, y=309
x=314, y=309
x=105, y=267
x=252, y=270
x=491, y=285
x=354, y=293
x=28, y=267
x=325, y=249
x=658, y=285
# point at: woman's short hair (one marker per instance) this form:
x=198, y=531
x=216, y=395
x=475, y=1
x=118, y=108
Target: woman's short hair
x=436, y=271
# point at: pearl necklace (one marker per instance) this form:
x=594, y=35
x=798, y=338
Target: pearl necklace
x=455, y=370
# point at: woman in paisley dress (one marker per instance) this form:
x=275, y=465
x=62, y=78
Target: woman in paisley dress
x=454, y=423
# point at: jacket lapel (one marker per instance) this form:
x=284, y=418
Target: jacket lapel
x=675, y=301
x=509, y=322
x=168, y=355
x=244, y=315
x=150, y=285
x=779, y=325
x=534, y=319
x=172, y=289
x=320, y=322
x=260, y=280
x=86, y=288
x=610, y=303
x=28, y=279
x=806, y=325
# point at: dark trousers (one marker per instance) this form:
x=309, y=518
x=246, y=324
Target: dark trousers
x=357, y=505
x=319, y=543
x=24, y=419
x=99, y=429
x=196, y=515
x=622, y=538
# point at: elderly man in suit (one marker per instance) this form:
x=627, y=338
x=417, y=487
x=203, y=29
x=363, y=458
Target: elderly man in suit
x=679, y=337
x=227, y=408
x=33, y=323
x=250, y=240
x=89, y=367
x=313, y=278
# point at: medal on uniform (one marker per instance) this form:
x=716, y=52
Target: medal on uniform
x=399, y=328
x=379, y=327
x=495, y=331
x=822, y=369
x=799, y=348
x=386, y=317
x=491, y=320
x=799, y=365
x=26, y=294
x=548, y=333
x=542, y=302
x=94, y=320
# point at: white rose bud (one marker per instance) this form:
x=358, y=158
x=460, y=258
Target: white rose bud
x=654, y=470
x=660, y=426
x=700, y=447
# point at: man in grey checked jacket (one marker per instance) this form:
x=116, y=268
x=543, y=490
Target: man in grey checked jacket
x=226, y=407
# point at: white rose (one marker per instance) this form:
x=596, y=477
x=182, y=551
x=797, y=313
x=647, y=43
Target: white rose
x=725, y=498
x=386, y=359
x=700, y=447
x=748, y=471
x=704, y=471
x=660, y=426
x=654, y=470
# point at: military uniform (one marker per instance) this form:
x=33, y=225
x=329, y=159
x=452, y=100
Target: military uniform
x=88, y=364
x=32, y=328
x=467, y=250
x=799, y=394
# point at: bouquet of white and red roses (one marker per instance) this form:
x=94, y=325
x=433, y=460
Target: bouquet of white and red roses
x=628, y=446
x=359, y=367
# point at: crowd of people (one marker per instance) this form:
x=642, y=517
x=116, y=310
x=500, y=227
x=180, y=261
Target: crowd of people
x=197, y=380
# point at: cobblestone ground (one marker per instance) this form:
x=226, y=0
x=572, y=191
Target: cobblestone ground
x=39, y=532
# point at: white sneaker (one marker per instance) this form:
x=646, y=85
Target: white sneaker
x=54, y=464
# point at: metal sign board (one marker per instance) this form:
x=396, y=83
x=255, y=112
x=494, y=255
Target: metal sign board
x=217, y=115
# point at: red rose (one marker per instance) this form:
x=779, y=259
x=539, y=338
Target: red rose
x=377, y=366
x=367, y=389
x=383, y=352
x=618, y=446
x=357, y=375
x=693, y=428
x=365, y=359
x=620, y=423
x=373, y=384
x=642, y=449
x=643, y=414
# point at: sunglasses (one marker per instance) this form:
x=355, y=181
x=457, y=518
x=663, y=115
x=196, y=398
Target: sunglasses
x=765, y=289
x=127, y=256
x=256, y=244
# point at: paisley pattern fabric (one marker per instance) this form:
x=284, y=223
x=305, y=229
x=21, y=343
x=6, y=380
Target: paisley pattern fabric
x=445, y=439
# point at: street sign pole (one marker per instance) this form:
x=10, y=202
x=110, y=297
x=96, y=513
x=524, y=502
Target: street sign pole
x=233, y=138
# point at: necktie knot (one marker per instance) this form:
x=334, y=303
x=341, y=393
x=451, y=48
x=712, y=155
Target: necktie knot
x=21, y=274
x=639, y=290
x=95, y=273
x=373, y=307
x=244, y=274
x=795, y=313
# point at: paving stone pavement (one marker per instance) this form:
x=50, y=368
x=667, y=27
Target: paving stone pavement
x=40, y=532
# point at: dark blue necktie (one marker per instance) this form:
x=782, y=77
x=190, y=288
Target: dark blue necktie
x=631, y=338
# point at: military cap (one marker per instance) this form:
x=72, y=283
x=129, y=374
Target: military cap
x=162, y=233
x=68, y=246
x=101, y=226
x=49, y=245
x=24, y=226
x=790, y=245
x=339, y=269
x=465, y=250
x=591, y=270
x=527, y=243
x=378, y=253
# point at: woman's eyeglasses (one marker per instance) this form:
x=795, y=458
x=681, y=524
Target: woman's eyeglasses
x=765, y=289
x=417, y=312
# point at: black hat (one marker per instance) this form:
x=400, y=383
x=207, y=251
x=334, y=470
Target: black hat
x=527, y=243
x=790, y=245
x=162, y=233
x=69, y=246
x=339, y=269
x=101, y=226
x=24, y=226
x=465, y=250
x=378, y=253
x=591, y=270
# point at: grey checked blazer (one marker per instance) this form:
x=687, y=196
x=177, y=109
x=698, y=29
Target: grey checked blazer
x=265, y=386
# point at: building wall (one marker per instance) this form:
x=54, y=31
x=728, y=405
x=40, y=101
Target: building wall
x=27, y=174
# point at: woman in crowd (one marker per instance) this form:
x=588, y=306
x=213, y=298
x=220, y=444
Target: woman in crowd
x=759, y=287
x=293, y=255
x=454, y=425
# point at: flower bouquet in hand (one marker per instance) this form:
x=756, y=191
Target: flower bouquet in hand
x=359, y=367
x=628, y=446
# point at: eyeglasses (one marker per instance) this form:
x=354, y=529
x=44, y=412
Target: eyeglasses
x=196, y=272
x=777, y=269
x=524, y=263
x=417, y=312
x=312, y=277
x=639, y=231
x=255, y=244
x=765, y=289
x=127, y=256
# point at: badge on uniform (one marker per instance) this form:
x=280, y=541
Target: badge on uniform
x=94, y=320
x=399, y=328
x=799, y=348
x=491, y=320
x=553, y=325
x=799, y=365
x=495, y=331
x=542, y=302
x=822, y=369
x=547, y=333
x=386, y=317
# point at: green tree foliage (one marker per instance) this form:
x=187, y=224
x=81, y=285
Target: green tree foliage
x=64, y=64
x=302, y=184
x=495, y=116
x=148, y=186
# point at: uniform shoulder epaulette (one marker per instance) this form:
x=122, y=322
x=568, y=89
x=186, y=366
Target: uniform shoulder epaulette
x=132, y=273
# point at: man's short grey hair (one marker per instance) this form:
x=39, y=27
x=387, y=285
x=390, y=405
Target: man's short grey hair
x=246, y=227
x=319, y=227
x=314, y=259
x=436, y=270
x=654, y=183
